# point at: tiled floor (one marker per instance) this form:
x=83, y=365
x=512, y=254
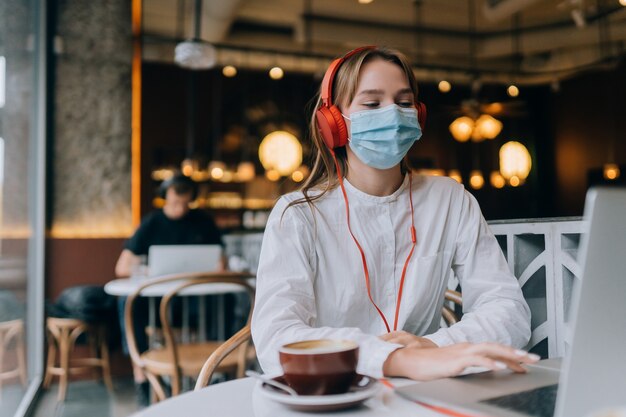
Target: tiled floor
x=89, y=398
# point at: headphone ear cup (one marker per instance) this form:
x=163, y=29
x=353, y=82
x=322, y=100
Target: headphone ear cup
x=421, y=113
x=332, y=127
x=163, y=188
x=341, y=136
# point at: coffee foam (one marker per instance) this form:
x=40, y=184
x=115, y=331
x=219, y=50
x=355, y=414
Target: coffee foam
x=308, y=347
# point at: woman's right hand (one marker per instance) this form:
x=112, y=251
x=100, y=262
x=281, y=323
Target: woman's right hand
x=423, y=364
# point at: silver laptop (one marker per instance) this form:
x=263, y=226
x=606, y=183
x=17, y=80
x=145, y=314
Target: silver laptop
x=592, y=375
x=174, y=259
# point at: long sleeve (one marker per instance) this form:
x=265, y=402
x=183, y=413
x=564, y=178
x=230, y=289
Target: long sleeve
x=493, y=304
x=285, y=308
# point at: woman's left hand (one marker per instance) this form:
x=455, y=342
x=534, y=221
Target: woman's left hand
x=407, y=339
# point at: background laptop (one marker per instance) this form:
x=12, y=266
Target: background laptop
x=593, y=373
x=174, y=259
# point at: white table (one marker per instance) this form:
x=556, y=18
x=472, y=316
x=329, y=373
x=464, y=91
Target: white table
x=127, y=286
x=242, y=398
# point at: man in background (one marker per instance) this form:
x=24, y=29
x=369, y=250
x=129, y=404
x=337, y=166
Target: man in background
x=175, y=224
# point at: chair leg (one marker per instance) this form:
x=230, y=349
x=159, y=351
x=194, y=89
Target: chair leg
x=157, y=388
x=104, y=355
x=1, y=363
x=64, y=351
x=21, y=360
x=52, y=352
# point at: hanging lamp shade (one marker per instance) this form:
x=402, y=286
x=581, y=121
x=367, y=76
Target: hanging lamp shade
x=476, y=179
x=280, y=151
x=462, y=128
x=195, y=54
x=515, y=161
x=489, y=127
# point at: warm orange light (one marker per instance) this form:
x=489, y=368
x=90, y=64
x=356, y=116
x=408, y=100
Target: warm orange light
x=497, y=180
x=280, y=150
x=444, y=86
x=229, y=71
x=276, y=73
x=245, y=171
x=514, y=181
x=217, y=169
x=477, y=181
x=462, y=128
x=272, y=175
x=515, y=161
x=135, y=146
x=297, y=176
x=611, y=171
x=488, y=126
x=512, y=91
x=455, y=174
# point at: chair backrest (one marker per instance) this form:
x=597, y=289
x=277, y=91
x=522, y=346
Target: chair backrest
x=449, y=314
x=175, y=285
x=239, y=339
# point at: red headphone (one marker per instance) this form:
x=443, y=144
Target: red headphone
x=329, y=120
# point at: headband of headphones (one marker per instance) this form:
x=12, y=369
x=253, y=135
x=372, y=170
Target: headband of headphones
x=329, y=77
x=328, y=117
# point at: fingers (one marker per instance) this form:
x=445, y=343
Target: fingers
x=512, y=358
x=507, y=353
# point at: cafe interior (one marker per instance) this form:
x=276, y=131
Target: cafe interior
x=102, y=102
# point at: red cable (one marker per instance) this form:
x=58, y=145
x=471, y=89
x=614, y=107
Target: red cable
x=436, y=408
x=364, y=261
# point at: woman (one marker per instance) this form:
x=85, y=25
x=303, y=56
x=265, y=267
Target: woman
x=364, y=250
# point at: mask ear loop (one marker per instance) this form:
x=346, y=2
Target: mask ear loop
x=364, y=261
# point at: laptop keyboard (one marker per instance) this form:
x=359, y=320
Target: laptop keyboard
x=538, y=402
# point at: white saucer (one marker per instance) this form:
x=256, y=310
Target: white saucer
x=323, y=402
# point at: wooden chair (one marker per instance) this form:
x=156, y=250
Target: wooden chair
x=238, y=341
x=62, y=335
x=447, y=312
x=175, y=360
x=12, y=335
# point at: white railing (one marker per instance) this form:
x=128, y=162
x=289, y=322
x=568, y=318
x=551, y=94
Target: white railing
x=543, y=254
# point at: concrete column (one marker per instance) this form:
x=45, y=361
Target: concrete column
x=92, y=119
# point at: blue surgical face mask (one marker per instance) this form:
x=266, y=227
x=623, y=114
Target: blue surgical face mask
x=381, y=138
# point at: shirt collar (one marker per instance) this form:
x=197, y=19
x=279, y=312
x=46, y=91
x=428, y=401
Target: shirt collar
x=352, y=190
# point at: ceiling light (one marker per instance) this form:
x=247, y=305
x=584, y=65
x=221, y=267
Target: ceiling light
x=488, y=126
x=217, y=169
x=512, y=90
x=297, y=176
x=622, y=2
x=195, y=54
x=497, y=180
x=245, y=171
x=455, y=174
x=188, y=166
x=485, y=127
x=611, y=171
x=462, y=128
x=276, y=73
x=444, y=86
x=365, y=1
x=280, y=151
x=229, y=71
x=272, y=175
x=476, y=179
x=515, y=161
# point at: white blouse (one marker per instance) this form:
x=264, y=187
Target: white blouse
x=311, y=285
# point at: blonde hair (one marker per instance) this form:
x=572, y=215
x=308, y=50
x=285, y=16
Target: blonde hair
x=324, y=174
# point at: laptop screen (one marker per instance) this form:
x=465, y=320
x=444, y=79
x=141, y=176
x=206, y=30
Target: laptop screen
x=174, y=259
